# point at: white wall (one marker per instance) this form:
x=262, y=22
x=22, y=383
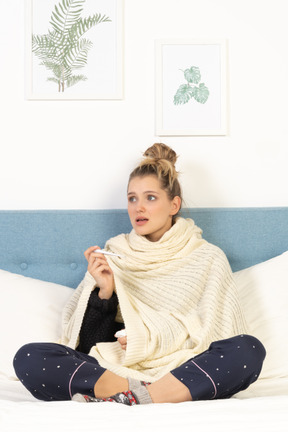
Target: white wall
x=51, y=151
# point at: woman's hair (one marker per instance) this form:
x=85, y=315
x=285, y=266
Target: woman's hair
x=159, y=160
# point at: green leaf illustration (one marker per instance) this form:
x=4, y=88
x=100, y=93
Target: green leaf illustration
x=76, y=56
x=75, y=79
x=190, y=90
x=83, y=25
x=192, y=75
x=63, y=49
x=66, y=14
x=184, y=94
x=201, y=93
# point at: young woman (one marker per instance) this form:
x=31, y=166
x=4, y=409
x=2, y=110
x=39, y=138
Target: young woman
x=174, y=294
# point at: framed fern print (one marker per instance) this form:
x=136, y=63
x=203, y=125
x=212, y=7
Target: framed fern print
x=191, y=87
x=74, y=49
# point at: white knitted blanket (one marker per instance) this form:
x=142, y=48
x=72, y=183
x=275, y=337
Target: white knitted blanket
x=176, y=296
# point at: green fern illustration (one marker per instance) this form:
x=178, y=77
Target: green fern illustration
x=63, y=49
x=192, y=89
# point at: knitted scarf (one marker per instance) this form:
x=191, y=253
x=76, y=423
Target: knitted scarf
x=176, y=296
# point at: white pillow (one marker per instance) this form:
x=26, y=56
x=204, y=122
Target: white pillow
x=30, y=311
x=263, y=291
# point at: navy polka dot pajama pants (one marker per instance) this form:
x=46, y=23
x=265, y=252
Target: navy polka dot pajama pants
x=55, y=372
x=227, y=367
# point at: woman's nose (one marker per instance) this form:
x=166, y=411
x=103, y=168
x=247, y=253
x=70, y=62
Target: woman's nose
x=140, y=206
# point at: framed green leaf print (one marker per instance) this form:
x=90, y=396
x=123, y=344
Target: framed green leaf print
x=191, y=87
x=74, y=49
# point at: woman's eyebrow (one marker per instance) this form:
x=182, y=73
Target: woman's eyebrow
x=145, y=192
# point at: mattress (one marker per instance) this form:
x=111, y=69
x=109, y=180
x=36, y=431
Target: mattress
x=19, y=411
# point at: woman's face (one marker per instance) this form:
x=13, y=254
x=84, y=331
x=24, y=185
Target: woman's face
x=149, y=208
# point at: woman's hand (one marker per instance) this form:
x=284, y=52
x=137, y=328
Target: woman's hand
x=99, y=268
x=123, y=342
x=122, y=338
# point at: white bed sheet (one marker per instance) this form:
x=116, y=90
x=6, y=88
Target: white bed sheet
x=19, y=411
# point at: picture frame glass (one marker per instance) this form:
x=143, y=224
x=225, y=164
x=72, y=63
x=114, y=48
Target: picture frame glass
x=191, y=88
x=74, y=49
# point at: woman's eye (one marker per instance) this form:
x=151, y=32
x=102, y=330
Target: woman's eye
x=131, y=199
x=151, y=197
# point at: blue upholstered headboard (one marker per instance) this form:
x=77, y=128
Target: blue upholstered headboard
x=49, y=245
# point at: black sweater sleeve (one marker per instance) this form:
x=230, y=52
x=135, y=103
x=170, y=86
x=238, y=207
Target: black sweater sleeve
x=99, y=322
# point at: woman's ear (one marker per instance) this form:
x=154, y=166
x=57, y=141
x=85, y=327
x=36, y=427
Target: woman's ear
x=175, y=205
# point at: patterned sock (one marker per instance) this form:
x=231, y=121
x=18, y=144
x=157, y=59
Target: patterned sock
x=126, y=398
x=137, y=394
x=139, y=389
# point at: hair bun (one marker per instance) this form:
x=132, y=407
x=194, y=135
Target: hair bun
x=159, y=160
x=161, y=151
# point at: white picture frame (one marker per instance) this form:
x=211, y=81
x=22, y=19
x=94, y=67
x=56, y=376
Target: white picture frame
x=96, y=63
x=198, y=69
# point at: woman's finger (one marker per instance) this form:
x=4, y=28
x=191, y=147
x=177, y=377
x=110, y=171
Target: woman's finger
x=89, y=251
x=123, y=340
x=101, y=268
x=96, y=260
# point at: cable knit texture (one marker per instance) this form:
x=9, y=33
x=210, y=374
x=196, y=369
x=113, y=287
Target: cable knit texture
x=176, y=296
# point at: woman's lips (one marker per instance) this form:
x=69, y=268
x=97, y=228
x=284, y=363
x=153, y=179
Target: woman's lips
x=141, y=221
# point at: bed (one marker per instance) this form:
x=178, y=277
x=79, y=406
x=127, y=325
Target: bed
x=41, y=262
